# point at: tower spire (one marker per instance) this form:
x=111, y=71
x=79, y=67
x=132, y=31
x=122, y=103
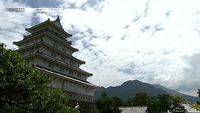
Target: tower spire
x=58, y=19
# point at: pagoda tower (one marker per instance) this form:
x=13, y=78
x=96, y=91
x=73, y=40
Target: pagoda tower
x=46, y=47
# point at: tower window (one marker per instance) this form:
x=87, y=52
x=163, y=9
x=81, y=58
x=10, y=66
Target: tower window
x=64, y=49
x=61, y=69
x=55, y=45
x=71, y=72
x=51, y=65
x=63, y=57
x=53, y=54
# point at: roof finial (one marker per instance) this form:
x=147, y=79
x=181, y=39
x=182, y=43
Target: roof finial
x=58, y=18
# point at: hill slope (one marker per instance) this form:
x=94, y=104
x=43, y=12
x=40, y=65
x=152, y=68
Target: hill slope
x=130, y=88
x=174, y=92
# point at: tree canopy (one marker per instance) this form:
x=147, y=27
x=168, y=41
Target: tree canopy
x=141, y=99
x=108, y=105
x=156, y=104
x=24, y=89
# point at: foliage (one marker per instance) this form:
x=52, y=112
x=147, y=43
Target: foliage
x=180, y=99
x=23, y=89
x=117, y=101
x=129, y=102
x=108, y=105
x=156, y=104
x=141, y=99
x=195, y=105
x=153, y=106
x=165, y=102
x=104, y=104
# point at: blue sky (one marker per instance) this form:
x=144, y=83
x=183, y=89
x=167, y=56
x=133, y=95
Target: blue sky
x=154, y=41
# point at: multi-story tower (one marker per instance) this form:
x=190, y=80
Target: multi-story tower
x=46, y=47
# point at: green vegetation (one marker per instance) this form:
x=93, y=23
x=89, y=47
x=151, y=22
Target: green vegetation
x=107, y=104
x=156, y=104
x=195, y=105
x=23, y=89
x=192, y=105
x=141, y=99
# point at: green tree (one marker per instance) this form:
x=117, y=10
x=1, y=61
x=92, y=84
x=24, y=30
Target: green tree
x=117, y=101
x=156, y=104
x=141, y=99
x=165, y=101
x=153, y=106
x=104, y=104
x=23, y=89
x=129, y=102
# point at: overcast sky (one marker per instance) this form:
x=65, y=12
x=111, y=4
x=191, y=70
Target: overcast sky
x=154, y=41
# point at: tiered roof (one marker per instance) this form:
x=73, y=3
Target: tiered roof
x=56, y=24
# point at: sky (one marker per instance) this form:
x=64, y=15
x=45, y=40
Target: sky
x=154, y=41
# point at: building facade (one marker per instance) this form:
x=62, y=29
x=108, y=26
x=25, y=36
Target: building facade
x=46, y=47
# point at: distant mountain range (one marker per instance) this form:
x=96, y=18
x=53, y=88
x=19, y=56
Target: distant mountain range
x=130, y=88
x=174, y=92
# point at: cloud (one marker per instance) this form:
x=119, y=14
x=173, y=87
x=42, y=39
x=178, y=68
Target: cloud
x=145, y=39
x=40, y=3
x=12, y=24
x=168, y=13
x=191, y=76
x=154, y=59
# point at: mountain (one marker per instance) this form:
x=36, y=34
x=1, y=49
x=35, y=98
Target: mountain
x=174, y=92
x=130, y=88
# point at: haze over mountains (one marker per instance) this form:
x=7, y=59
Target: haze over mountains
x=130, y=88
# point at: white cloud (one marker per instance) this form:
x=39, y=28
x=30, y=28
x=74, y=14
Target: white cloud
x=145, y=39
x=12, y=24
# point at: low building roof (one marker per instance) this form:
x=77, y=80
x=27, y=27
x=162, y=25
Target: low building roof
x=190, y=109
x=133, y=109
